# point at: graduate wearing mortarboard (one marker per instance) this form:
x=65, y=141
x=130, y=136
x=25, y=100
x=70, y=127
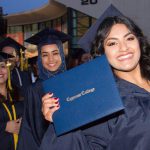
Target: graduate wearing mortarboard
x=20, y=78
x=51, y=61
x=128, y=53
x=11, y=110
x=86, y=41
x=32, y=67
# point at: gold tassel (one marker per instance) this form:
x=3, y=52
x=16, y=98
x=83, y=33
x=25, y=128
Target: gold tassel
x=21, y=60
x=9, y=77
x=26, y=65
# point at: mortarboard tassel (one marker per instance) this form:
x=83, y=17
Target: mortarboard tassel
x=26, y=64
x=21, y=60
x=9, y=78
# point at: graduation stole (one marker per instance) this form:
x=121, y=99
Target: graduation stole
x=9, y=78
x=15, y=136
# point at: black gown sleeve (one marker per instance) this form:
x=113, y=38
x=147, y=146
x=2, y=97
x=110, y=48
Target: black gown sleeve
x=93, y=137
x=71, y=141
x=3, y=121
x=33, y=124
x=2, y=127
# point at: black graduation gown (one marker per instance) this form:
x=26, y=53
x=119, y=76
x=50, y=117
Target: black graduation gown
x=126, y=130
x=24, y=77
x=6, y=139
x=33, y=124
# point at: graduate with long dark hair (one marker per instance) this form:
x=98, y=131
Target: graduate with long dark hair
x=51, y=61
x=128, y=53
x=11, y=110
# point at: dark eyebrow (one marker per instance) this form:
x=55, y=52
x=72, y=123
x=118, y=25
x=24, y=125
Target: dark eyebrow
x=56, y=50
x=113, y=38
x=128, y=34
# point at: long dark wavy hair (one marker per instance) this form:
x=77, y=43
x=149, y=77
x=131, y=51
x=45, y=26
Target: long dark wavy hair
x=104, y=30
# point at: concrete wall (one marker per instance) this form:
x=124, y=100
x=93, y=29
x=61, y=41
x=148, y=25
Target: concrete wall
x=19, y=6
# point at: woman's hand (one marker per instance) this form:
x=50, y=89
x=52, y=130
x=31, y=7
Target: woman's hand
x=13, y=126
x=49, y=106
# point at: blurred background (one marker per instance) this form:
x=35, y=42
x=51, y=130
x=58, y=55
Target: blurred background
x=22, y=19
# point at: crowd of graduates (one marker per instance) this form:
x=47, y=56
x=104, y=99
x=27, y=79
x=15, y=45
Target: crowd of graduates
x=26, y=111
x=14, y=80
x=21, y=73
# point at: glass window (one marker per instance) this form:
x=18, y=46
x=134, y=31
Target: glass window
x=42, y=25
x=57, y=24
x=34, y=28
x=27, y=31
x=14, y=29
x=48, y=24
x=64, y=23
x=83, y=22
x=80, y=23
x=28, y=28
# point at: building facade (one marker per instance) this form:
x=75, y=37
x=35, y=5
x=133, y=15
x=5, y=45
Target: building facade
x=21, y=26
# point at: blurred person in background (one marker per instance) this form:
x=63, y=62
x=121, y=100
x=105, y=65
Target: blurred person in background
x=84, y=57
x=20, y=78
x=78, y=56
x=33, y=68
x=11, y=110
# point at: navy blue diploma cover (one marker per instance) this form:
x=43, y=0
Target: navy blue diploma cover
x=87, y=93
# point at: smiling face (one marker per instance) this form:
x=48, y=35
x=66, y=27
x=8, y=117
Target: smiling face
x=3, y=73
x=51, y=58
x=122, y=49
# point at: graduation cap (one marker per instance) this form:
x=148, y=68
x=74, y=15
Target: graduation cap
x=86, y=41
x=17, y=46
x=12, y=43
x=47, y=36
x=4, y=56
x=32, y=60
